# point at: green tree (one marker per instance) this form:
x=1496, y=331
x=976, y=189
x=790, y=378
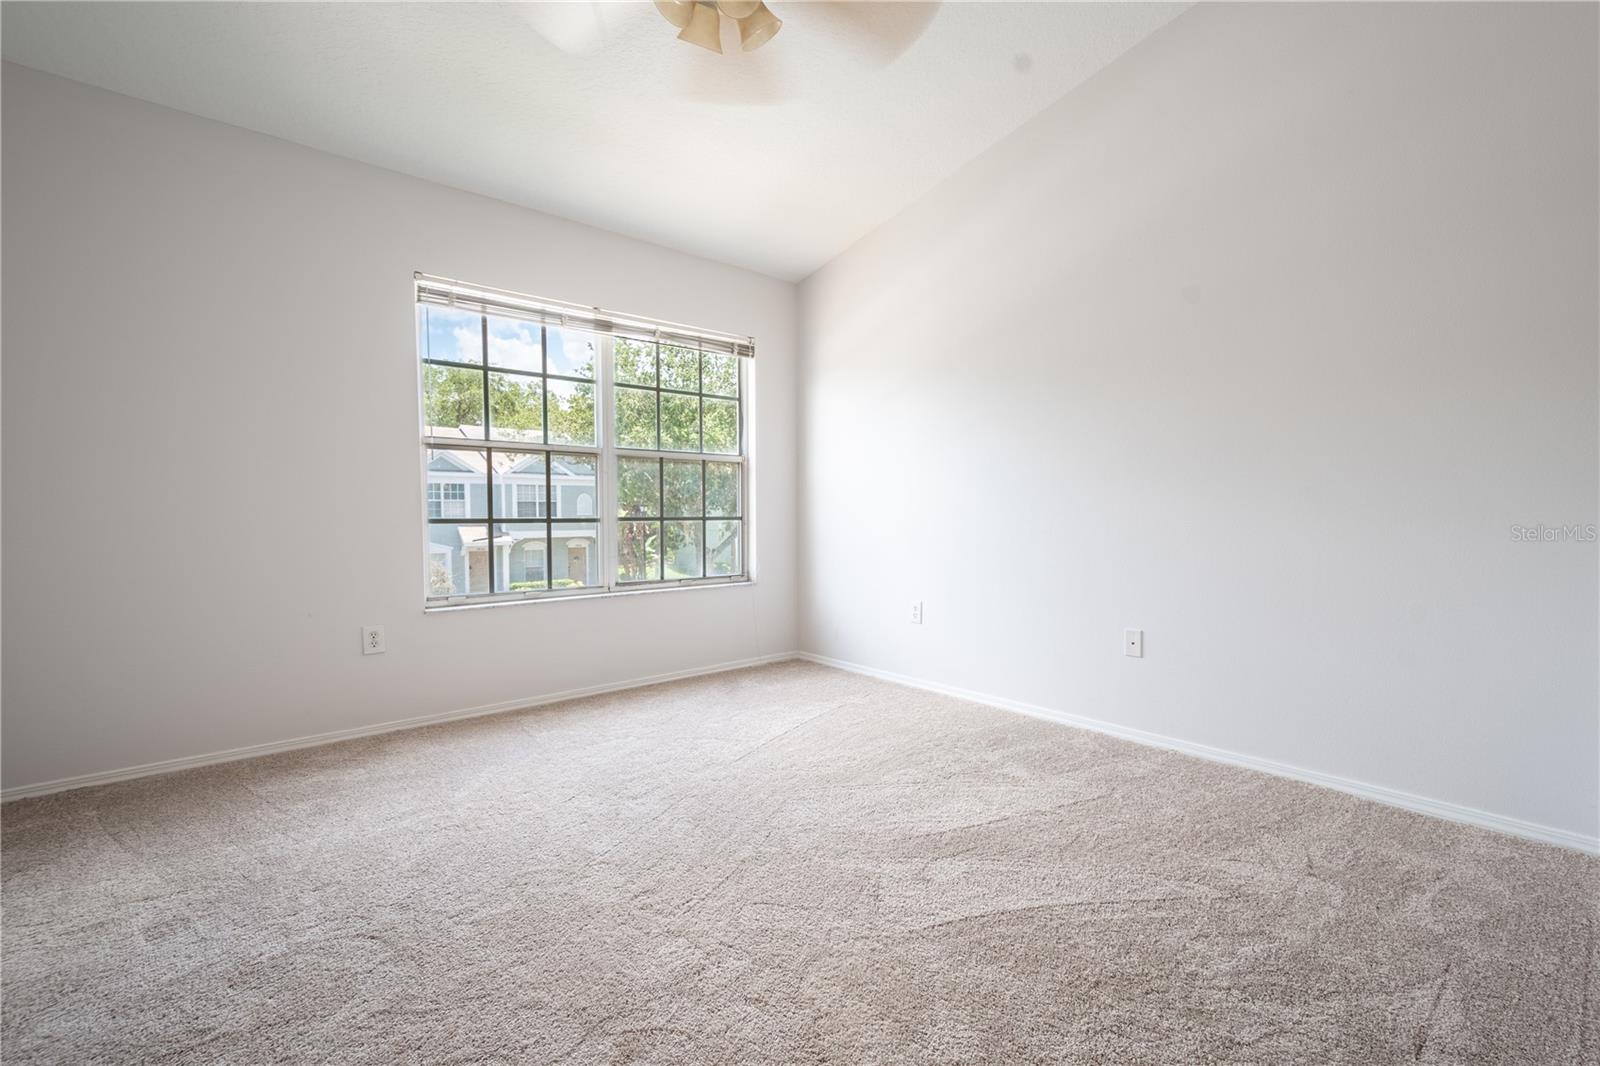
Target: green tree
x=516, y=403
x=452, y=396
x=634, y=362
x=572, y=413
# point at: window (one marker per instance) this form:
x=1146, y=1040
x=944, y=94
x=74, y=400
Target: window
x=447, y=499
x=533, y=561
x=530, y=500
x=570, y=450
x=678, y=519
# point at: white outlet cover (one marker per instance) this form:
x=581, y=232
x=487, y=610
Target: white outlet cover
x=1133, y=643
x=372, y=642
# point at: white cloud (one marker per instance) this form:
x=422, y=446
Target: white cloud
x=468, y=344
x=516, y=346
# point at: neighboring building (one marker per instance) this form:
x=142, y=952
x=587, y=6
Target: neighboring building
x=458, y=554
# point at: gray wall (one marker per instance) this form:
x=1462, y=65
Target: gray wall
x=1262, y=341
x=210, y=357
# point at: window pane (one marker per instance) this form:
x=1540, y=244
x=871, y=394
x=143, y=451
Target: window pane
x=719, y=374
x=573, y=487
x=455, y=336
x=636, y=418
x=680, y=423
x=722, y=426
x=521, y=561
x=571, y=352
x=681, y=481
x=638, y=551
x=575, y=558
x=638, y=488
x=515, y=344
x=571, y=412
x=683, y=550
x=456, y=483
x=445, y=570
x=468, y=556
x=680, y=368
x=722, y=488
x=516, y=407
x=519, y=485
x=452, y=402
x=634, y=362
x=723, y=555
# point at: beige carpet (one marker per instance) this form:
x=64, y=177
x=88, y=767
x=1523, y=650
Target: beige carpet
x=780, y=865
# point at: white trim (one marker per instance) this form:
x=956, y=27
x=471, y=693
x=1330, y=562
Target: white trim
x=167, y=766
x=1377, y=793
x=1453, y=812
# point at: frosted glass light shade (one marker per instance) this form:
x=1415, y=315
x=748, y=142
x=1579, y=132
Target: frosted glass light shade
x=704, y=28
x=758, y=27
x=738, y=9
x=677, y=12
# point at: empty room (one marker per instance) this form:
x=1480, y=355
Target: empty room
x=800, y=532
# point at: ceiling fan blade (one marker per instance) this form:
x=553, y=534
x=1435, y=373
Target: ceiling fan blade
x=882, y=30
x=578, y=27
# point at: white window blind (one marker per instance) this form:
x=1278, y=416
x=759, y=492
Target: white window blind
x=445, y=292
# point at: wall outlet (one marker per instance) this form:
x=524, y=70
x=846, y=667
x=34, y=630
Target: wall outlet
x=372, y=640
x=916, y=613
x=1133, y=643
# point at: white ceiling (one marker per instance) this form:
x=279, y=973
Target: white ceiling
x=775, y=160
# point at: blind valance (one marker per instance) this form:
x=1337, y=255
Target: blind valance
x=444, y=292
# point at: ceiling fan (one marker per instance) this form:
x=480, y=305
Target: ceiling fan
x=874, y=32
x=700, y=21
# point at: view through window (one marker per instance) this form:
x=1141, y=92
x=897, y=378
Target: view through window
x=564, y=460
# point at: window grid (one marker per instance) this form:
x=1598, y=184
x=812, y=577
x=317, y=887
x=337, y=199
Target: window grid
x=604, y=455
x=490, y=445
x=698, y=394
x=663, y=517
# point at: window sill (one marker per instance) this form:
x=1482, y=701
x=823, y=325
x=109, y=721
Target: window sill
x=595, y=594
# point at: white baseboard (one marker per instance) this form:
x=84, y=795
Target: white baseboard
x=167, y=766
x=1393, y=797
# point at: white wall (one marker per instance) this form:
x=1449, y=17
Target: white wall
x=210, y=452
x=1261, y=340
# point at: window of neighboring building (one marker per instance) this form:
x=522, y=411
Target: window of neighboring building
x=447, y=499
x=530, y=501
x=601, y=451
x=533, y=562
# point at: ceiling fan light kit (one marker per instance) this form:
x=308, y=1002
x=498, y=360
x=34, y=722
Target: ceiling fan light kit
x=759, y=27
x=700, y=21
x=704, y=29
x=677, y=12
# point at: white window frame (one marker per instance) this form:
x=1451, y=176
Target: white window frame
x=605, y=524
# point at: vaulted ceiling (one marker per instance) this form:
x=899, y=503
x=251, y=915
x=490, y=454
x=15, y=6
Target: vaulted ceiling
x=775, y=160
